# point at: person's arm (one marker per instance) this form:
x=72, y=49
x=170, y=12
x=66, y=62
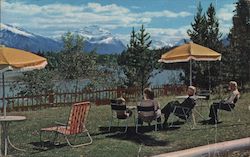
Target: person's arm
x=156, y=105
x=232, y=97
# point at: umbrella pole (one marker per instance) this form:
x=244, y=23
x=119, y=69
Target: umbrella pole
x=190, y=72
x=4, y=107
x=209, y=77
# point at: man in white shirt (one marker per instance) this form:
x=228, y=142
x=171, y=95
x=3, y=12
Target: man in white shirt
x=226, y=104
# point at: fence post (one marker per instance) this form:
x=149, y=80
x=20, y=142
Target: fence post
x=165, y=89
x=51, y=97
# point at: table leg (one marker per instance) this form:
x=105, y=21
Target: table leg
x=4, y=137
x=1, y=140
x=14, y=146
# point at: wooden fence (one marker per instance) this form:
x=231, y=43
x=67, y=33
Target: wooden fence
x=99, y=97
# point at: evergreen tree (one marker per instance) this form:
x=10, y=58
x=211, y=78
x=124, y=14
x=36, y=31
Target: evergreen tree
x=145, y=58
x=205, y=32
x=213, y=34
x=137, y=61
x=198, y=34
x=127, y=60
x=239, y=51
x=213, y=42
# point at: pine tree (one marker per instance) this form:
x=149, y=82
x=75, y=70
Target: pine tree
x=205, y=32
x=213, y=42
x=137, y=61
x=213, y=34
x=145, y=58
x=239, y=52
x=127, y=60
x=198, y=34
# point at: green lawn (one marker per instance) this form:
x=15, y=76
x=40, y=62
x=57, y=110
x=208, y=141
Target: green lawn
x=26, y=134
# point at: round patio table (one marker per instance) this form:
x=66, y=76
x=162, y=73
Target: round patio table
x=186, y=96
x=5, y=121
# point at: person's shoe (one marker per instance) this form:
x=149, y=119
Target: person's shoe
x=165, y=124
x=213, y=121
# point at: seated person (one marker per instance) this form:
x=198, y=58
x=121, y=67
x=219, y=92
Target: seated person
x=188, y=102
x=226, y=104
x=148, y=101
x=122, y=114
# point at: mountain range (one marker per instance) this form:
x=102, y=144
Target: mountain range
x=19, y=38
x=95, y=39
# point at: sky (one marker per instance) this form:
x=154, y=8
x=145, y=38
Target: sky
x=165, y=20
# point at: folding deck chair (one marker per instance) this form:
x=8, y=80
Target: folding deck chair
x=147, y=114
x=183, y=113
x=233, y=109
x=117, y=112
x=76, y=124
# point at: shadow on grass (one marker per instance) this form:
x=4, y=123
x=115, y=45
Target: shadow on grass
x=223, y=124
x=131, y=135
x=177, y=123
x=208, y=122
x=47, y=145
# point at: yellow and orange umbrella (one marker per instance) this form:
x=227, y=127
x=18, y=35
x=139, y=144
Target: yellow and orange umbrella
x=189, y=52
x=12, y=59
x=15, y=59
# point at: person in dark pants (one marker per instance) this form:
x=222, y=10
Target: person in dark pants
x=226, y=104
x=188, y=102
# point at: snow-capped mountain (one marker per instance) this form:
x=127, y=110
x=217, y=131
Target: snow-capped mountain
x=96, y=38
x=19, y=38
x=100, y=40
x=157, y=44
x=225, y=41
x=181, y=42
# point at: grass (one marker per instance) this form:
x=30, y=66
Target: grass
x=26, y=134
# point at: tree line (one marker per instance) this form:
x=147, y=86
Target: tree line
x=134, y=66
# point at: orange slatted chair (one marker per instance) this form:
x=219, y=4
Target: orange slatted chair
x=76, y=124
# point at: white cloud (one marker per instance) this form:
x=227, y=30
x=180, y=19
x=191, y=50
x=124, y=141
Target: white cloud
x=225, y=15
x=135, y=7
x=225, y=28
x=57, y=17
x=226, y=12
x=169, y=34
x=124, y=38
x=96, y=7
x=166, y=13
x=31, y=9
